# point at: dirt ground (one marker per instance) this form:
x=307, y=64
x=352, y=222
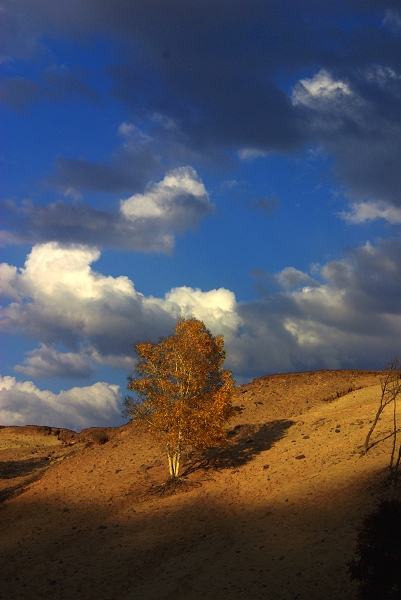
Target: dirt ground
x=272, y=516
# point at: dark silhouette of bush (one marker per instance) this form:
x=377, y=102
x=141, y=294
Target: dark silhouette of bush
x=97, y=436
x=378, y=567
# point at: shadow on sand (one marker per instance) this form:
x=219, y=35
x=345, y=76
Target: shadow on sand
x=243, y=444
x=19, y=468
x=31, y=469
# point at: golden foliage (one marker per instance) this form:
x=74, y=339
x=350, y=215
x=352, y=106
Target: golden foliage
x=182, y=391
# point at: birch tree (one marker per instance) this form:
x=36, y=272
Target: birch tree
x=182, y=392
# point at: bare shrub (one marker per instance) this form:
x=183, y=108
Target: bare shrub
x=390, y=382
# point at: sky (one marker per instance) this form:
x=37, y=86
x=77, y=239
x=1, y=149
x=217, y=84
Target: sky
x=237, y=161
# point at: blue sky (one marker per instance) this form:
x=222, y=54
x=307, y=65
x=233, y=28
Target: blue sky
x=235, y=161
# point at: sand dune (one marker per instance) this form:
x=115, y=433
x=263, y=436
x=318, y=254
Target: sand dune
x=274, y=515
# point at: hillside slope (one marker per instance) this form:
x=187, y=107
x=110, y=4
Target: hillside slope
x=272, y=516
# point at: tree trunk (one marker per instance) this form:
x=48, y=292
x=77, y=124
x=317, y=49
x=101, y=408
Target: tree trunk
x=379, y=412
x=397, y=464
x=176, y=463
x=394, y=434
x=173, y=462
x=170, y=464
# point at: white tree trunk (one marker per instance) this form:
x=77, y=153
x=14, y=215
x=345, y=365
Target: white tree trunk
x=174, y=462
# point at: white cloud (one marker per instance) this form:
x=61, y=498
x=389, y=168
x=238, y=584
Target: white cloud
x=180, y=199
x=132, y=135
x=216, y=308
x=310, y=92
x=347, y=315
x=362, y=212
x=22, y=403
x=61, y=299
x=65, y=301
x=250, y=154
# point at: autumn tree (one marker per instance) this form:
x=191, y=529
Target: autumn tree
x=182, y=392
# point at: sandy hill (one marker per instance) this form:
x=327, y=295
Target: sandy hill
x=274, y=515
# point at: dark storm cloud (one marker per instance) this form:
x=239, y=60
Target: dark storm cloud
x=370, y=278
x=213, y=65
x=140, y=157
x=77, y=174
x=357, y=118
x=222, y=71
x=19, y=92
x=46, y=362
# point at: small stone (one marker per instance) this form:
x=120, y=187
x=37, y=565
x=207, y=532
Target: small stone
x=300, y=456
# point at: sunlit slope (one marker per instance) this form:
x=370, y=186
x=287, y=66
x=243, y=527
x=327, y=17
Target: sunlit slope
x=273, y=515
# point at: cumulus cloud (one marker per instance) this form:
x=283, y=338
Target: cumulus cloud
x=62, y=300
x=217, y=308
x=178, y=202
x=22, y=403
x=147, y=222
x=58, y=298
x=346, y=315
